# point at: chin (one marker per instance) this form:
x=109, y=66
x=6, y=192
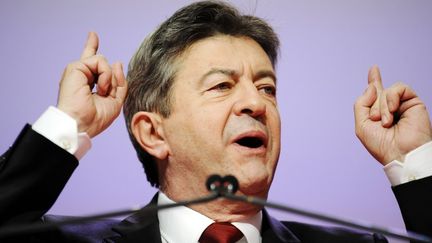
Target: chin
x=256, y=185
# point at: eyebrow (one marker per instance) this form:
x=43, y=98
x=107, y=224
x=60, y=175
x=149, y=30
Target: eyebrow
x=230, y=72
x=226, y=72
x=265, y=74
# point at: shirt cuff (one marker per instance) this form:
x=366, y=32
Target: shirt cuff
x=417, y=165
x=62, y=130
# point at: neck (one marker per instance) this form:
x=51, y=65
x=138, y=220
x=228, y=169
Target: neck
x=220, y=210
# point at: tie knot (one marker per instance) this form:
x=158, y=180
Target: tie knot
x=222, y=232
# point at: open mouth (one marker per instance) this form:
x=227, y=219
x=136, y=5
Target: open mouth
x=250, y=142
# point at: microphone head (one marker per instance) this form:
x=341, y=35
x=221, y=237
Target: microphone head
x=230, y=184
x=213, y=183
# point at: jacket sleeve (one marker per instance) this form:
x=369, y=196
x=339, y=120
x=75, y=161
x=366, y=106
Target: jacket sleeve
x=33, y=172
x=415, y=202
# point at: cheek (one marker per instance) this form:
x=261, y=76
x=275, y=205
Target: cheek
x=275, y=127
x=211, y=120
x=196, y=133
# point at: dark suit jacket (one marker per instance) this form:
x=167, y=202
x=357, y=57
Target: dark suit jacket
x=34, y=171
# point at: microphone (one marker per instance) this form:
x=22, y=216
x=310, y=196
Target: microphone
x=214, y=183
x=228, y=185
x=222, y=185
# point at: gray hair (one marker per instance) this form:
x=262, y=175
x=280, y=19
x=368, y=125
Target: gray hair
x=152, y=69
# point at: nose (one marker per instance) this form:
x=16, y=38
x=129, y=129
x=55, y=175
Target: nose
x=250, y=102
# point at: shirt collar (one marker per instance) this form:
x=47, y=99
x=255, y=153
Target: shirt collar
x=182, y=224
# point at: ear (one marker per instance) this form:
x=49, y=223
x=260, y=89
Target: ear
x=147, y=130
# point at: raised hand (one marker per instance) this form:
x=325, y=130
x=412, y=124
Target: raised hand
x=93, y=111
x=390, y=122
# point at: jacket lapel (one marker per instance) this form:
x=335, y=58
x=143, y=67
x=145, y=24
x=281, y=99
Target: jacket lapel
x=272, y=230
x=139, y=227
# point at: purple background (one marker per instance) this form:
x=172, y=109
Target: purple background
x=327, y=50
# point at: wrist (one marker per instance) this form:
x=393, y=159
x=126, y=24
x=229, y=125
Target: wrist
x=61, y=129
x=417, y=165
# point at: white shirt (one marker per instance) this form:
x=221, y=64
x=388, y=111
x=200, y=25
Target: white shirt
x=184, y=225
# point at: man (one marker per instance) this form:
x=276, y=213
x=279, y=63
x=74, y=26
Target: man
x=202, y=100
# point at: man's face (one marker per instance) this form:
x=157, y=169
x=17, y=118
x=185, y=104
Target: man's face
x=224, y=117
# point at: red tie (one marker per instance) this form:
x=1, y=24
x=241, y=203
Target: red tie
x=223, y=232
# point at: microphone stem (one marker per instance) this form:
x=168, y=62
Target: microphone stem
x=357, y=225
x=37, y=227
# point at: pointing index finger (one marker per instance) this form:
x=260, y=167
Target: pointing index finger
x=91, y=46
x=374, y=77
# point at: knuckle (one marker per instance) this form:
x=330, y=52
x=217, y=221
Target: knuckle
x=422, y=107
x=357, y=102
x=399, y=85
x=360, y=100
x=73, y=65
x=101, y=57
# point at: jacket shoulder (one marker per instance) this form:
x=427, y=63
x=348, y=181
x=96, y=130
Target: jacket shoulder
x=88, y=231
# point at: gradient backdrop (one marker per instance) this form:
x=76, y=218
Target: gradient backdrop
x=327, y=49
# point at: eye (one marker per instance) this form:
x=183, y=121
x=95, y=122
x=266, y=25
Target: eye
x=268, y=90
x=223, y=86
